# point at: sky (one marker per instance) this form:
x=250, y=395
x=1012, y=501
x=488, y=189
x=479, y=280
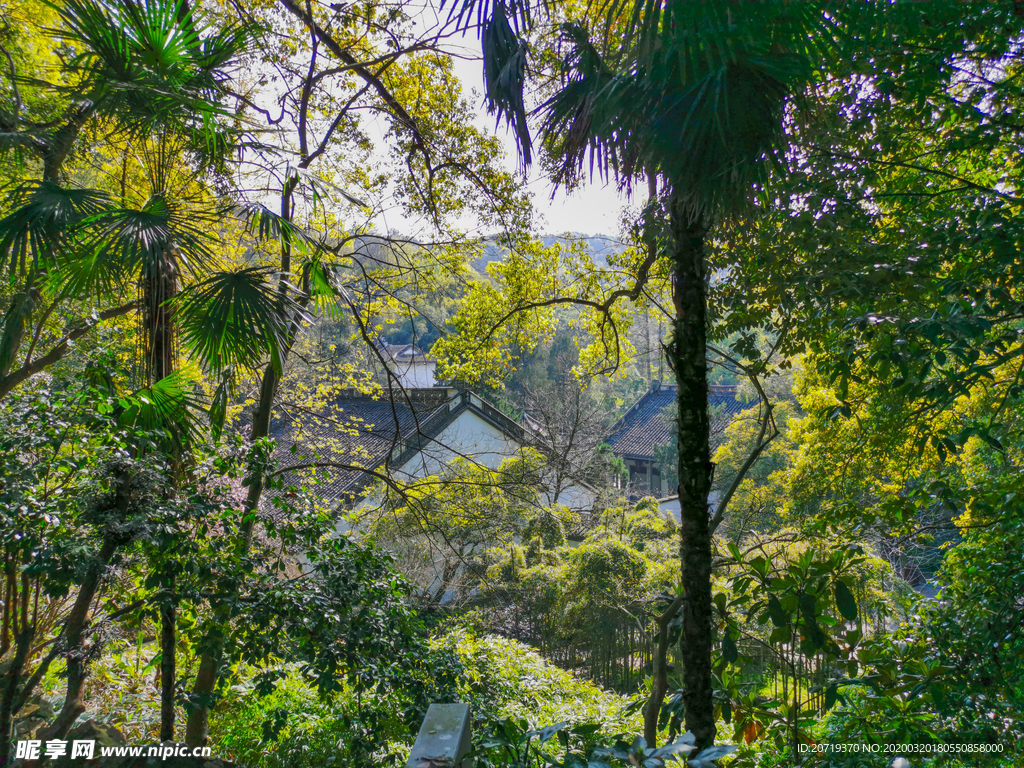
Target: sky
x=594, y=209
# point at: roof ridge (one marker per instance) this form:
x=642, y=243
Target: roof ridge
x=641, y=428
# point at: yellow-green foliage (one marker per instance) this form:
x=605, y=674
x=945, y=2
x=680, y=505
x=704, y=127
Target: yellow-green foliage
x=509, y=566
x=510, y=315
x=628, y=557
x=607, y=571
x=851, y=467
x=467, y=503
x=548, y=526
x=760, y=497
x=496, y=676
x=524, y=685
x=641, y=526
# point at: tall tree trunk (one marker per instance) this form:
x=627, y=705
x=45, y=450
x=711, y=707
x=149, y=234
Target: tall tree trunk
x=10, y=689
x=659, y=674
x=74, y=631
x=168, y=670
x=197, y=726
x=687, y=354
x=5, y=641
x=160, y=284
x=16, y=321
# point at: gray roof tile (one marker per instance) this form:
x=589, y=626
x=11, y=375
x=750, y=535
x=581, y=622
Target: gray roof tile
x=645, y=426
x=354, y=430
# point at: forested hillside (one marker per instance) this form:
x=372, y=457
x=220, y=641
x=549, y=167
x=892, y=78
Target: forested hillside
x=287, y=456
x=598, y=247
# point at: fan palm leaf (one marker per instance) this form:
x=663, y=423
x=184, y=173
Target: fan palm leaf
x=45, y=224
x=165, y=408
x=236, y=318
x=266, y=225
x=15, y=146
x=502, y=26
x=699, y=95
x=126, y=244
x=150, y=65
x=321, y=278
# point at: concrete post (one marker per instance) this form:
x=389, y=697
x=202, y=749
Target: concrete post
x=444, y=738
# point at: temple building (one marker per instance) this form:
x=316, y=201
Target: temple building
x=647, y=426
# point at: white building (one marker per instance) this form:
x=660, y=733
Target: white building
x=405, y=432
x=413, y=367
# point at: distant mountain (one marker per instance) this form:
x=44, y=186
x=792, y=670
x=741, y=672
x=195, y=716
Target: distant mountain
x=598, y=246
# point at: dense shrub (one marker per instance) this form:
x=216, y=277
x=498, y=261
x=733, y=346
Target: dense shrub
x=294, y=728
x=548, y=525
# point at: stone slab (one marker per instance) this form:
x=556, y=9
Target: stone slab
x=444, y=738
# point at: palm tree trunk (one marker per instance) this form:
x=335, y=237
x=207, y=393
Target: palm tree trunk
x=687, y=356
x=16, y=320
x=160, y=285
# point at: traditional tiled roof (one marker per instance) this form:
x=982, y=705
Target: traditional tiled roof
x=646, y=425
x=358, y=432
x=403, y=353
x=355, y=430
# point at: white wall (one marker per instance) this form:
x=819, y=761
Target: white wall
x=579, y=498
x=415, y=374
x=469, y=436
x=671, y=504
x=473, y=437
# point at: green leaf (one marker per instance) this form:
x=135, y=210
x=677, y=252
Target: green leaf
x=165, y=407
x=720, y=602
x=776, y=612
x=45, y=223
x=845, y=601
x=153, y=67
x=237, y=318
x=831, y=696
x=550, y=730
x=730, y=653
x=219, y=405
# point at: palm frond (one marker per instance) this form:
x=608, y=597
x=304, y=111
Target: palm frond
x=709, y=35
x=45, y=221
x=322, y=279
x=236, y=318
x=573, y=124
x=476, y=13
x=15, y=146
x=126, y=243
x=150, y=65
x=698, y=94
x=502, y=27
x=219, y=405
x=264, y=224
x=505, y=59
x=166, y=408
